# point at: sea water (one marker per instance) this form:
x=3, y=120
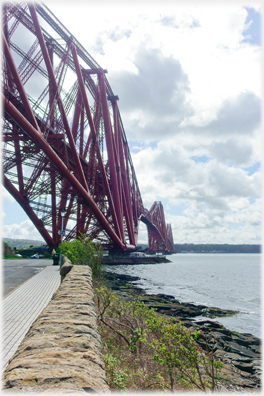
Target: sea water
x=226, y=281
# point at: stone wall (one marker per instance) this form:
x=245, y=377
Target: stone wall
x=62, y=350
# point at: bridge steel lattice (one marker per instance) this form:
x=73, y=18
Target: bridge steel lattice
x=64, y=144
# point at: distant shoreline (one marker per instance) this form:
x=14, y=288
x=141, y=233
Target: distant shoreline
x=216, y=248
x=217, y=252
x=179, y=247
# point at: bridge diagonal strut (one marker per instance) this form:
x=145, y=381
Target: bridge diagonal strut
x=64, y=144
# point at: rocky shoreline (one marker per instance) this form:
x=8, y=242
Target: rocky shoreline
x=240, y=353
x=115, y=260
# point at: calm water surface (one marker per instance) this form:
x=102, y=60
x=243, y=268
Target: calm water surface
x=227, y=281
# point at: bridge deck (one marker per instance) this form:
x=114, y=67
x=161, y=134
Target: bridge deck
x=22, y=307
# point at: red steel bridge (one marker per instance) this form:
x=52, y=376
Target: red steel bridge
x=64, y=144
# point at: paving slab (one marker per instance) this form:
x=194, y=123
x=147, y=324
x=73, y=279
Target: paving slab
x=22, y=307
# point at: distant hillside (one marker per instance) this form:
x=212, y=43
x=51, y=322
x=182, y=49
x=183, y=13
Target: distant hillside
x=216, y=248
x=212, y=248
x=23, y=243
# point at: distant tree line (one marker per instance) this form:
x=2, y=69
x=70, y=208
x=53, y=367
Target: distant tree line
x=23, y=243
x=216, y=248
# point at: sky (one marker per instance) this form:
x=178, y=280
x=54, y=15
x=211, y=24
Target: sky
x=189, y=83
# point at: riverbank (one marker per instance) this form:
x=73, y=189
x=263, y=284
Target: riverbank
x=240, y=353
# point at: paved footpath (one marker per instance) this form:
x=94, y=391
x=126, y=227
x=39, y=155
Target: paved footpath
x=23, y=306
x=17, y=271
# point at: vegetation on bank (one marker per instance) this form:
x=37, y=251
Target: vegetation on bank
x=142, y=350
x=83, y=251
x=7, y=250
x=14, y=252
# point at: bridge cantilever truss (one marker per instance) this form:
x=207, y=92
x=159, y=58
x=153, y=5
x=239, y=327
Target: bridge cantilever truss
x=64, y=144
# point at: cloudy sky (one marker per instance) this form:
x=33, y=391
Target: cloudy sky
x=189, y=84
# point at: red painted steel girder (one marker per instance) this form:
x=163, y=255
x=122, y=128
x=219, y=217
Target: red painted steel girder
x=157, y=229
x=64, y=144
x=170, y=238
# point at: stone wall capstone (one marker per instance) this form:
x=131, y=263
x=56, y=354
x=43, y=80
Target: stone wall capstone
x=62, y=350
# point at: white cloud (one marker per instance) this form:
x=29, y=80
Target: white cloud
x=25, y=230
x=219, y=66
x=215, y=195
x=212, y=226
x=168, y=172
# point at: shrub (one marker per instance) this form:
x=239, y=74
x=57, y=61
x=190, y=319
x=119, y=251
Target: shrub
x=174, y=347
x=146, y=351
x=7, y=250
x=83, y=251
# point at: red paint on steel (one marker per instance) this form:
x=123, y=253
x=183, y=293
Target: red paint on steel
x=28, y=128
x=19, y=84
x=127, y=199
x=78, y=153
x=80, y=174
x=93, y=131
x=23, y=202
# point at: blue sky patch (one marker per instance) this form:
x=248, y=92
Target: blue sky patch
x=137, y=145
x=252, y=200
x=175, y=210
x=252, y=169
x=252, y=34
x=234, y=226
x=201, y=158
x=14, y=214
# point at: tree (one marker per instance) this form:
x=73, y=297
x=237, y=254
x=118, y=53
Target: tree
x=7, y=249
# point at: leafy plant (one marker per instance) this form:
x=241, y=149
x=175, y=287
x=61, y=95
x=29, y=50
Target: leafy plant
x=83, y=251
x=117, y=377
x=126, y=318
x=136, y=340
x=175, y=348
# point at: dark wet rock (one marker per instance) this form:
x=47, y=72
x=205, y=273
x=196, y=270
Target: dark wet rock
x=126, y=260
x=127, y=278
x=236, y=348
x=244, y=366
x=167, y=297
x=181, y=310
